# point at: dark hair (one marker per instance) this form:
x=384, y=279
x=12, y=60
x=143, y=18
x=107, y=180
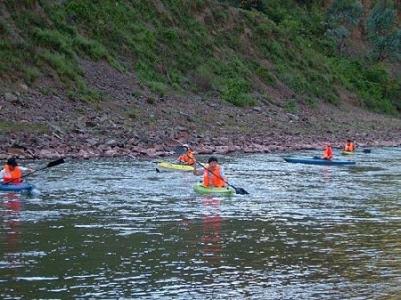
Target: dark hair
x=211, y=159
x=12, y=162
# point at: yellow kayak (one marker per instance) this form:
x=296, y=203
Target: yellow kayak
x=174, y=167
x=347, y=152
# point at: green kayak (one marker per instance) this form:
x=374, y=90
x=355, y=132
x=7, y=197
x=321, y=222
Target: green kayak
x=201, y=189
x=174, y=167
x=347, y=152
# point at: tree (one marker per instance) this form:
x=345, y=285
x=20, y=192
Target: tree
x=251, y=4
x=383, y=32
x=342, y=17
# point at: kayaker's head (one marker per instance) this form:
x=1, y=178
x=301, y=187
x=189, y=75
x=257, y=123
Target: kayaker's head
x=186, y=146
x=12, y=162
x=349, y=141
x=212, y=161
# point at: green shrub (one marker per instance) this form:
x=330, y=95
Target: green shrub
x=54, y=40
x=31, y=73
x=236, y=91
x=93, y=49
x=64, y=67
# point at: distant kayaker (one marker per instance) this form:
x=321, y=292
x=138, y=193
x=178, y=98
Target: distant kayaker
x=328, y=152
x=12, y=173
x=188, y=158
x=349, y=146
x=213, y=175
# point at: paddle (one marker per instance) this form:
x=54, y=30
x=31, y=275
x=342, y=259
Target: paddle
x=238, y=190
x=49, y=165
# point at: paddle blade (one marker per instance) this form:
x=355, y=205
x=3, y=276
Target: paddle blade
x=55, y=163
x=241, y=191
x=367, y=150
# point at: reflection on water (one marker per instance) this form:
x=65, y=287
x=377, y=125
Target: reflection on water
x=118, y=229
x=211, y=225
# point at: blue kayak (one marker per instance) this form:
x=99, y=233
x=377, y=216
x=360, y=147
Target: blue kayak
x=16, y=187
x=318, y=161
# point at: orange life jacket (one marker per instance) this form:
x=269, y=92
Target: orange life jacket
x=12, y=176
x=328, y=153
x=349, y=147
x=187, y=158
x=214, y=179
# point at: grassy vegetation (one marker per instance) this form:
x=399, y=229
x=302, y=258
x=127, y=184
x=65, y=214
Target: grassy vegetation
x=171, y=48
x=10, y=127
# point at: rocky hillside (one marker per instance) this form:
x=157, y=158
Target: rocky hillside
x=137, y=77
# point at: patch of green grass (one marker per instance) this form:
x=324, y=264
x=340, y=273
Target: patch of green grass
x=291, y=106
x=236, y=91
x=133, y=113
x=10, y=127
x=158, y=87
x=65, y=68
x=31, y=73
x=54, y=40
x=92, y=48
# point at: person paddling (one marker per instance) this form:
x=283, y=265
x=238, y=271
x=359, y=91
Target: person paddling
x=12, y=173
x=213, y=175
x=188, y=158
x=328, y=152
x=349, y=146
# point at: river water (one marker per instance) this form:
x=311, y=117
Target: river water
x=117, y=229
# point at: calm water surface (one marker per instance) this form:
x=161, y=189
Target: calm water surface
x=116, y=228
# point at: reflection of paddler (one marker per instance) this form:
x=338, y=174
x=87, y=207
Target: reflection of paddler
x=212, y=229
x=12, y=205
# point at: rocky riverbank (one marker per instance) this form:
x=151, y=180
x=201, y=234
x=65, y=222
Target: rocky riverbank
x=43, y=121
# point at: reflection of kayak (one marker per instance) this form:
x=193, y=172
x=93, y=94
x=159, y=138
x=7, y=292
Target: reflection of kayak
x=174, y=167
x=347, y=152
x=16, y=187
x=201, y=189
x=318, y=161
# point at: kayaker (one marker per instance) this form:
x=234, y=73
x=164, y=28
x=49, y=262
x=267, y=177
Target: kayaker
x=349, y=146
x=12, y=173
x=188, y=158
x=213, y=175
x=328, y=152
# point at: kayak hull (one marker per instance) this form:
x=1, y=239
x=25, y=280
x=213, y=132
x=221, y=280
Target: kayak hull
x=319, y=161
x=165, y=165
x=201, y=189
x=347, y=152
x=16, y=187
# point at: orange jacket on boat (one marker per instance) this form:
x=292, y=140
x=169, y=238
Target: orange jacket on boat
x=12, y=176
x=213, y=177
x=349, y=147
x=328, y=152
x=187, y=158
